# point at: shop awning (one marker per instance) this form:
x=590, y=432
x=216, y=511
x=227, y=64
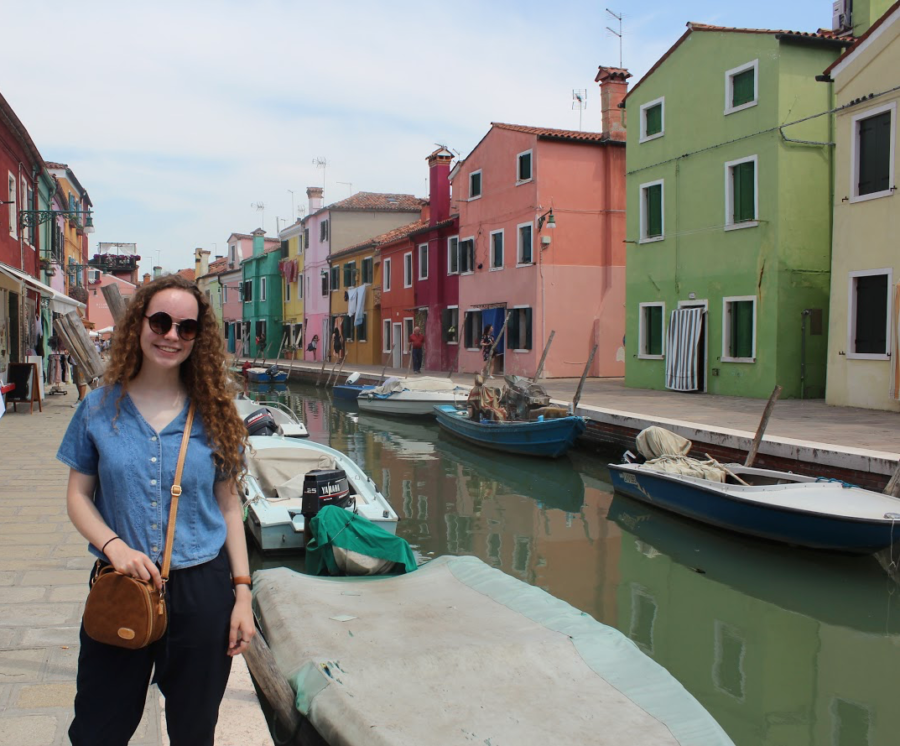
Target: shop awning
x=59, y=303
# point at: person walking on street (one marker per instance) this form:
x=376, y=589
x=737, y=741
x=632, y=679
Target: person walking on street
x=416, y=344
x=487, y=342
x=121, y=448
x=338, y=342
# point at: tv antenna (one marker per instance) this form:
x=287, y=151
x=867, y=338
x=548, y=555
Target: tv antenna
x=579, y=101
x=618, y=17
x=323, y=164
x=260, y=207
x=347, y=184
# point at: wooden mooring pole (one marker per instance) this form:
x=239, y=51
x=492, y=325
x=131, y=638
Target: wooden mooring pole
x=587, y=367
x=540, y=368
x=763, y=423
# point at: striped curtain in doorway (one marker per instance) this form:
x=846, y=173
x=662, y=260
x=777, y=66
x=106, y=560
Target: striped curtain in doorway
x=895, y=344
x=683, y=349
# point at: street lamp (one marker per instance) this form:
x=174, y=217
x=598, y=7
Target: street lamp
x=34, y=218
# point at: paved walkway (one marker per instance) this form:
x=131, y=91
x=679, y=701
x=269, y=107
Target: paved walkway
x=44, y=565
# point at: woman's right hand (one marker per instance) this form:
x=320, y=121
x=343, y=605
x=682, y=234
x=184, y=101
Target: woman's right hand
x=131, y=562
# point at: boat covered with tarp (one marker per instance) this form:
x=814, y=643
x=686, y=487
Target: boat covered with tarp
x=415, y=396
x=459, y=652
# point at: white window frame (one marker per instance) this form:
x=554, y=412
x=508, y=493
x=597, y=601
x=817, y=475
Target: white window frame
x=423, y=250
x=476, y=337
x=519, y=262
x=729, y=86
x=854, y=152
x=836, y=723
x=491, y=250
x=730, y=225
x=458, y=334
x=480, y=185
x=224, y=294
x=522, y=350
x=719, y=628
x=642, y=342
x=13, y=197
x=233, y=249
x=407, y=269
x=450, y=251
x=386, y=335
x=851, y=314
x=639, y=591
x=643, y=211
x=411, y=325
x=386, y=275
x=461, y=241
x=661, y=101
x=300, y=287
x=726, y=328
x=519, y=181
x=262, y=289
x=362, y=262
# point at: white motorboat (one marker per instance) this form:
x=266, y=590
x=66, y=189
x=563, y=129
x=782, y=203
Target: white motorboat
x=415, y=396
x=284, y=420
x=273, y=493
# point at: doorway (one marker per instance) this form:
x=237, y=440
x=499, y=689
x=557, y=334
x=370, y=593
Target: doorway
x=702, y=342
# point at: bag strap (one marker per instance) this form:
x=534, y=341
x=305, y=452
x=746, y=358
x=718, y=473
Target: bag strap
x=176, y=493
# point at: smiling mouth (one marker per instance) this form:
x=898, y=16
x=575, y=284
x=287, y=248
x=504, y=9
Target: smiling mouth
x=167, y=349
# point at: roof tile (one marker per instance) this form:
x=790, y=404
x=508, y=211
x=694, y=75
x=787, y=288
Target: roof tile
x=552, y=133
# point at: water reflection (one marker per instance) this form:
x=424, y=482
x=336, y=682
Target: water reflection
x=783, y=646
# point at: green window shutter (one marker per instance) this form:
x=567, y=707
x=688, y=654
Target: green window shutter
x=653, y=118
x=347, y=327
x=871, y=314
x=742, y=86
x=874, y=153
x=654, y=210
x=446, y=323
x=741, y=343
x=527, y=321
x=512, y=330
x=524, y=166
x=653, y=329
x=744, y=198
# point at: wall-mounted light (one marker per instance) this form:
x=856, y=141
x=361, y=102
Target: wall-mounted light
x=549, y=218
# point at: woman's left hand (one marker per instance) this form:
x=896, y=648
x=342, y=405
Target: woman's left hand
x=242, y=627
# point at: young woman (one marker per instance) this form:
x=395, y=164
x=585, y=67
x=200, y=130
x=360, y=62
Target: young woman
x=487, y=340
x=122, y=447
x=338, y=342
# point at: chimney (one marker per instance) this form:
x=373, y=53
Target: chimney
x=157, y=272
x=612, y=92
x=439, y=185
x=146, y=278
x=201, y=262
x=316, y=201
x=259, y=242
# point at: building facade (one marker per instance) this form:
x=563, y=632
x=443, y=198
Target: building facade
x=231, y=280
x=261, y=296
x=293, y=286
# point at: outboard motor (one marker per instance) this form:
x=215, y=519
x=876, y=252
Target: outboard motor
x=273, y=370
x=323, y=487
x=261, y=422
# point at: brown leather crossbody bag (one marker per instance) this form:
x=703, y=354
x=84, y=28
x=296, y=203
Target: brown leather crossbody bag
x=129, y=612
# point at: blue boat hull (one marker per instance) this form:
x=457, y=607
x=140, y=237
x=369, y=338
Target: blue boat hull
x=708, y=505
x=547, y=439
x=279, y=377
x=349, y=391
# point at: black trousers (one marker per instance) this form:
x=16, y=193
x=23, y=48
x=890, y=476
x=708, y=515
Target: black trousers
x=189, y=664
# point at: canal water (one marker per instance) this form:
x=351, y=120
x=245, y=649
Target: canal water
x=784, y=647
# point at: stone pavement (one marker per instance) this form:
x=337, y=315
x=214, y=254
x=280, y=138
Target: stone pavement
x=44, y=566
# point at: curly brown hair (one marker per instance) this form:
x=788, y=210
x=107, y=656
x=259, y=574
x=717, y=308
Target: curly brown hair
x=203, y=373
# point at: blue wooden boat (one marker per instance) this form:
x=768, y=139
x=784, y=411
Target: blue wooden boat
x=350, y=391
x=266, y=375
x=549, y=438
x=779, y=506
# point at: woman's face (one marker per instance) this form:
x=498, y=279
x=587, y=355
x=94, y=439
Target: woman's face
x=167, y=351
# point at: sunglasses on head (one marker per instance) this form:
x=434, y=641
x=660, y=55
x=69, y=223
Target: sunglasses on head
x=161, y=323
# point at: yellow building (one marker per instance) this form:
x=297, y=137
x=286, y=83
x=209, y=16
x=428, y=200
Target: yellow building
x=75, y=243
x=293, y=290
x=864, y=323
x=353, y=271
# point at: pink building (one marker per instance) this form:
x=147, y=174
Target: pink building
x=98, y=309
x=541, y=237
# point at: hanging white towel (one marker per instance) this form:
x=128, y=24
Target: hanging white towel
x=351, y=301
x=360, y=304
x=683, y=349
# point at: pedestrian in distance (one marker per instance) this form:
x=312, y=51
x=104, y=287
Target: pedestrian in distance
x=122, y=446
x=337, y=340
x=313, y=344
x=487, y=342
x=416, y=344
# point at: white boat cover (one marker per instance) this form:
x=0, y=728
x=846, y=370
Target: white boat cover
x=655, y=441
x=459, y=652
x=419, y=383
x=275, y=468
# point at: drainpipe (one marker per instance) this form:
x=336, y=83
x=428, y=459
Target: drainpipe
x=804, y=315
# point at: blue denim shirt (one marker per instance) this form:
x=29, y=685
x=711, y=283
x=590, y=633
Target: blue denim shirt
x=135, y=467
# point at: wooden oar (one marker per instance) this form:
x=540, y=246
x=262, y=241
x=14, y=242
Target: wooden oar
x=728, y=471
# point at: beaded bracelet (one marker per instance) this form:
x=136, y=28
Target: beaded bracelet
x=103, y=548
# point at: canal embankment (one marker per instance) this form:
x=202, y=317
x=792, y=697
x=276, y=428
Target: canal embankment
x=805, y=436
x=44, y=566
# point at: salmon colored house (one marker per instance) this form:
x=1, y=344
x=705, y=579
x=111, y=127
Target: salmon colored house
x=541, y=238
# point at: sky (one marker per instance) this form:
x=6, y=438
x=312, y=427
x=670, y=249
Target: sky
x=181, y=117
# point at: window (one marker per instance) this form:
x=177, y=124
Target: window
x=651, y=207
x=335, y=278
x=323, y=230
x=728, y=661
x=325, y=287
x=450, y=325
x=741, y=87
x=475, y=184
x=408, y=327
x=423, y=261
x=28, y=194
x=350, y=275
x=368, y=270
x=386, y=335
x=360, y=330
x=523, y=167
x=872, y=153
x=497, y=249
x=453, y=255
x=224, y=294
x=525, y=251
x=518, y=329
x=869, y=323
x=306, y=237
x=248, y=291
x=233, y=253
x=386, y=275
x=284, y=248
x=740, y=193
x=287, y=291
x=300, y=288
x=739, y=333
x=407, y=270
x=653, y=119
x=643, y=618
x=13, y=212
x=472, y=329
x=467, y=255
x=262, y=288
x=651, y=330
x=851, y=723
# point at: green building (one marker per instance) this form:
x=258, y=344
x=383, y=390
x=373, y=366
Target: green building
x=729, y=214
x=261, y=295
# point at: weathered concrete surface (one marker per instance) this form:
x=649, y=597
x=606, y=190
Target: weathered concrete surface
x=44, y=567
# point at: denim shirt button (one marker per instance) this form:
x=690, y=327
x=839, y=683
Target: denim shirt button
x=153, y=504
x=153, y=482
x=153, y=460
x=154, y=548
x=153, y=438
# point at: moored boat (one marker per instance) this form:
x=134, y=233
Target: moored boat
x=415, y=396
x=272, y=374
x=548, y=438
